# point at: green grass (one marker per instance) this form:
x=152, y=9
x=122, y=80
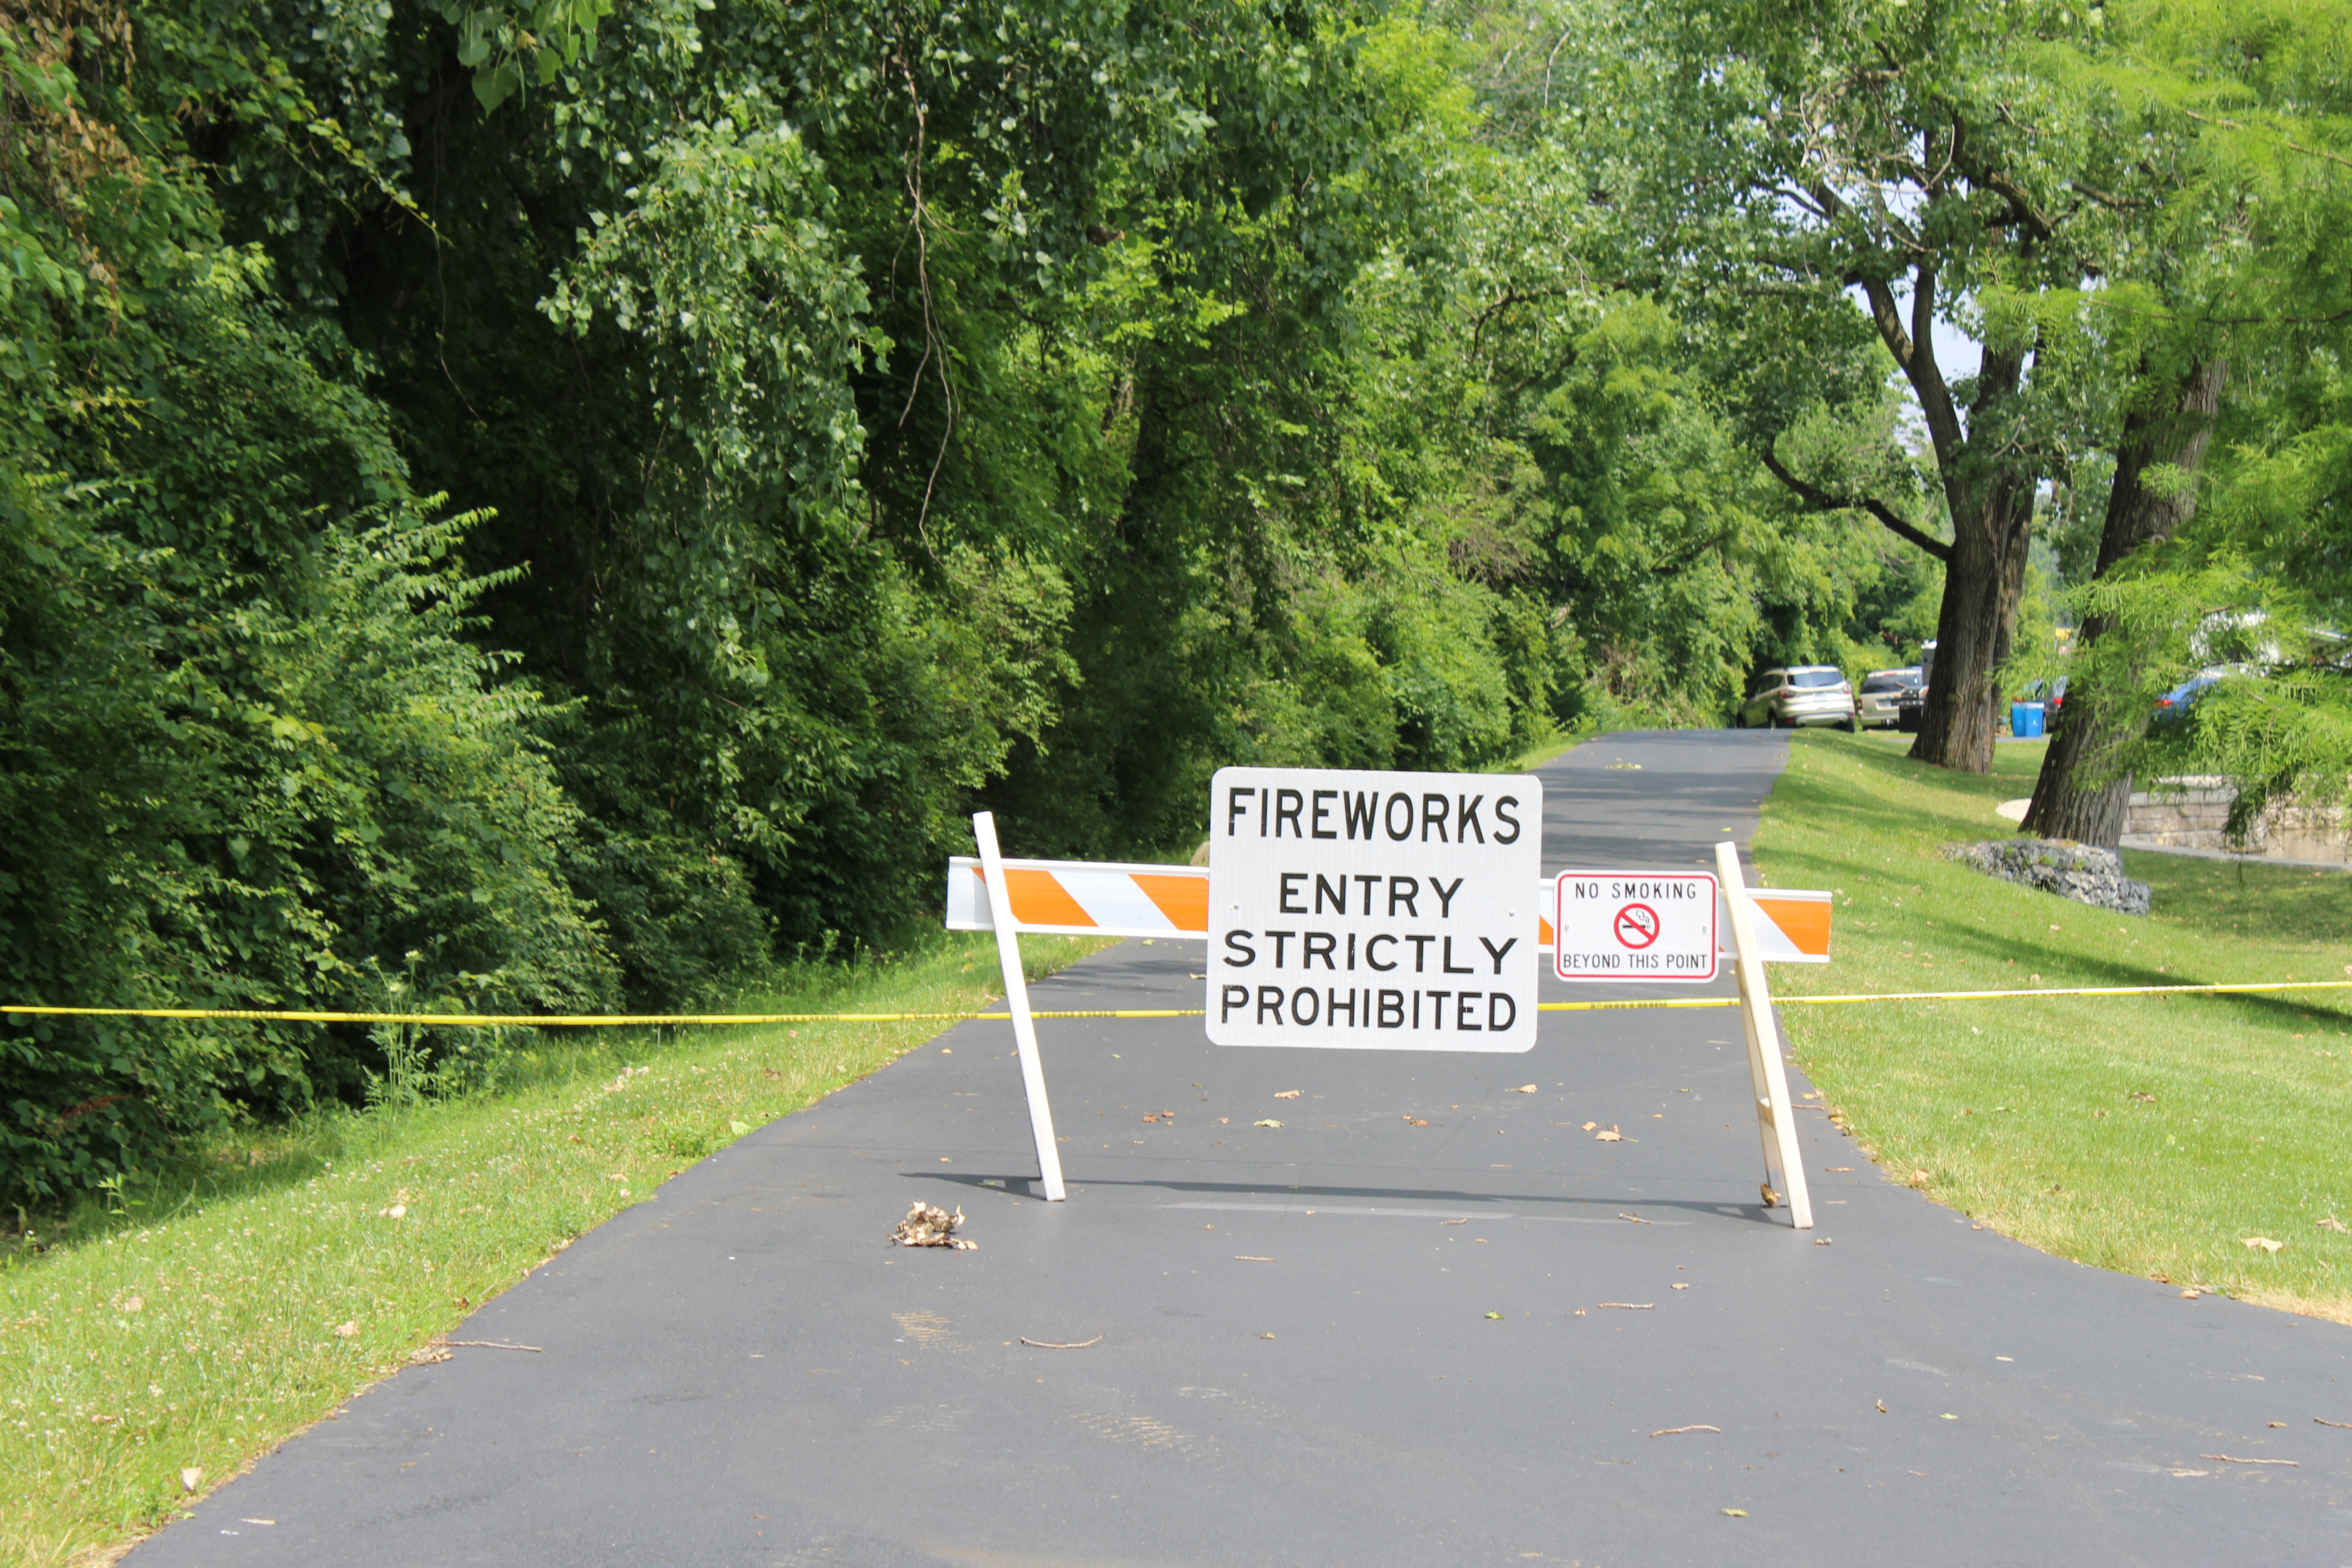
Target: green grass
x=2153, y=1135
x=243, y=1297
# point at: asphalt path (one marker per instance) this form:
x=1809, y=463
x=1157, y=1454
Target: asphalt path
x=1295, y=1356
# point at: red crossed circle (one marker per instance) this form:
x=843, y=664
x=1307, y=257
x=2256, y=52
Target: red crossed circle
x=1637, y=925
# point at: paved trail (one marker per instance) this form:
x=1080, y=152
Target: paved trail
x=1296, y=1364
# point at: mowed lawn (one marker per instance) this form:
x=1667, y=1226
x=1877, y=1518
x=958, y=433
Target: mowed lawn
x=240, y=1297
x=2158, y=1136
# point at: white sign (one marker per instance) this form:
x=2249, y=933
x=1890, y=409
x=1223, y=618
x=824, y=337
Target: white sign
x=1382, y=910
x=1635, y=925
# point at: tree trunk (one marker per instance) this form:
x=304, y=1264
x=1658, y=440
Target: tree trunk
x=2093, y=735
x=1983, y=580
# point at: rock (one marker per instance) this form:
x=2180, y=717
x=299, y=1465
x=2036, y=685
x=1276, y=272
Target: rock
x=2083, y=872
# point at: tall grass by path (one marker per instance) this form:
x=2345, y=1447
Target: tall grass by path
x=241, y=1297
x=2156, y=1135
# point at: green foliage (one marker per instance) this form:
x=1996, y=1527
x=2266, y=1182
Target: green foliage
x=252, y=757
x=856, y=415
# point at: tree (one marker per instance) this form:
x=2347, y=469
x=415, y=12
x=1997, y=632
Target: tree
x=2244, y=261
x=2084, y=785
x=1911, y=156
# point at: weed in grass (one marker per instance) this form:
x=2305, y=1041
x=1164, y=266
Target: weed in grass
x=2151, y=1135
x=197, y=1317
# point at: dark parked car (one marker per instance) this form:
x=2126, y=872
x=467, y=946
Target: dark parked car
x=2051, y=695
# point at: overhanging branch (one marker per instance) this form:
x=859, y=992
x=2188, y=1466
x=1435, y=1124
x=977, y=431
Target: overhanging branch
x=1821, y=499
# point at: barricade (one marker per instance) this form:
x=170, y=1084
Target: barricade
x=988, y=892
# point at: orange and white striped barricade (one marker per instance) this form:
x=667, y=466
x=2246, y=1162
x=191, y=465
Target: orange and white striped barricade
x=1674, y=926
x=1064, y=898
x=1790, y=927
x=1086, y=897
x=1762, y=923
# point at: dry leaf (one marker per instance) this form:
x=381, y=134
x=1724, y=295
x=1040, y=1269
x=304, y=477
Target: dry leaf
x=1881, y=1406
x=1266, y=1336
x=1734, y=1512
x=346, y=1328
x=1609, y=1136
x=1287, y=1093
x=2191, y=1293
x=1590, y=1125
x=1637, y=1219
x=2233, y=1459
x=427, y=1353
x=2324, y=1421
x=1523, y=1089
x=2332, y=1222
x=1453, y=1222
x=1918, y=1175
x=928, y=1227
x=190, y=1476
x=1154, y=1117
x=2142, y=1095
x=1839, y=1169
x=2264, y=1243
x=1416, y=1121
x=1671, y=1431
x=1494, y=1314
x=1269, y=1122
x=134, y=1303
x=1678, y=1286
x=1820, y=1241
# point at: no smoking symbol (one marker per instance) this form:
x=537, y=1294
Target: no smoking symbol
x=1637, y=925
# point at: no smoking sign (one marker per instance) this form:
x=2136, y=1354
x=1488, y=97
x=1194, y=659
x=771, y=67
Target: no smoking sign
x=1635, y=925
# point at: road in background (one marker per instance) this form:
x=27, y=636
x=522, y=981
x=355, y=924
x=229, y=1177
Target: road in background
x=1427, y=1320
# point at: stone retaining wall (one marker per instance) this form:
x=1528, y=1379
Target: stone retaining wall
x=2195, y=818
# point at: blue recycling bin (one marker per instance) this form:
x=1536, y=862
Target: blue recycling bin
x=2025, y=720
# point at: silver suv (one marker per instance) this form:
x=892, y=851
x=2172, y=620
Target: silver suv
x=1801, y=694
x=1883, y=691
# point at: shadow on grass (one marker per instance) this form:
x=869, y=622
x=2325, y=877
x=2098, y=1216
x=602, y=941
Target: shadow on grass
x=2280, y=901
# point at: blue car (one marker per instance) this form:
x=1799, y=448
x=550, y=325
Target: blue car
x=2173, y=706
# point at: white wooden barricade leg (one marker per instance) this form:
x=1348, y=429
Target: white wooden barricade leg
x=1776, y=1119
x=1016, y=1001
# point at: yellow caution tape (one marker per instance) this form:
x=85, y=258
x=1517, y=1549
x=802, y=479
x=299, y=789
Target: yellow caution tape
x=713, y=1020
x=2079, y=990
x=567, y=1020
x=1958, y=995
